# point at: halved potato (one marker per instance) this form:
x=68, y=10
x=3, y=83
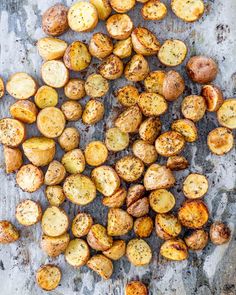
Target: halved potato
x=197, y=239
x=169, y=143
x=74, y=161
x=21, y=86
x=98, y=239
x=12, y=132
x=79, y=189
x=51, y=48
x=103, y=8
x=93, y=112
x=130, y=120
x=2, y=88
x=116, y=200
x=54, y=73
x=152, y=104
x=161, y=200
x=119, y=222
x=220, y=141
x=72, y=110
x=139, y=208
x=69, y=139
x=111, y=68
x=75, y=89
x=13, y=159
x=46, y=96
x=173, y=85
x=116, y=251
x=82, y=17
x=138, y=252
x=81, y=224
x=29, y=178
x=101, y=265
x=174, y=249
x=123, y=48
x=177, y=163
x=55, y=221
x=136, y=287
x=137, y=68
x=8, y=232
x=195, y=186
x=193, y=107
x=150, y=129
x=24, y=111
x=187, y=128
x=145, y=151
x=189, y=11
x=135, y=192
x=55, y=195
x=172, y=52
x=193, y=214
x=154, y=82
x=28, y=212
x=226, y=114
x=129, y=168
x=48, y=277
x=100, y=45
x=128, y=95
x=95, y=153
x=154, y=10
x=54, y=246
x=213, y=96
x=116, y=140
x=77, y=253
x=143, y=226
x=119, y=26
x=167, y=226
x=55, y=173
x=96, y=86
x=122, y=6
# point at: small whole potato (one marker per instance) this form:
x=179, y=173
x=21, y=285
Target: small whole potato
x=130, y=120
x=13, y=159
x=93, y=112
x=111, y=68
x=150, y=129
x=173, y=85
x=219, y=233
x=145, y=152
x=137, y=68
x=8, y=232
x=74, y=89
x=69, y=139
x=193, y=107
x=197, y=239
x=72, y=110
x=100, y=45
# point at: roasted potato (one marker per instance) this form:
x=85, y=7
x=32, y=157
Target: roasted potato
x=111, y=68
x=119, y=222
x=129, y=168
x=96, y=86
x=51, y=48
x=8, y=232
x=2, y=88
x=46, y=96
x=144, y=41
x=188, y=11
x=39, y=150
x=48, y=277
x=127, y=95
x=193, y=107
x=142, y=1
x=154, y=10
x=161, y=200
x=202, y=69
x=219, y=233
x=106, y=180
x=79, y=189
x=13, y=159
x=193, y=214
x=82, y=17
x=116, y=200
x=172, y=52
x=21, y=86
x=138, y=252
x=101, y=265
x=154, y=82
x=74, y=161
x=177, y=163
x=174, y=249
x=55, y=221
x=137, y=68
x=187, y=128
x=75, y=89
x=93, y=112
x=116, y=251
x=143, y=226
x=169, y=143
x=116, y=140
x=135, y=192
x=196, y=240
x=103, y=8
x=226, y=114
x=96, y=153
x=136, y=287
x=69, y=139
x=150, y=129
x=130, y=120
x=100, y=45
x=55, y=173
x=195, y=186
x=77, y=253
x=122, y=6
x=54, y=20
x=213, y=97
x=220, y=141
x=54, y=246
x=173, y=85
x=28, y=212
x=145, y=151
x=29, y=178
x=54, y=73
x=98, y=239
x=24, y=111
x=167, y=226
x=152, y=104
x=139, y=208
x=72, y=110
x=157, y=177
x=81, y=224
x=55, y=195
x=123, y=48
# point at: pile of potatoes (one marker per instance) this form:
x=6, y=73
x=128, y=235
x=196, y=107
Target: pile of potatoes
x=137, y=182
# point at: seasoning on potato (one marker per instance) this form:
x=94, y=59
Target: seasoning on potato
x=177, y=163
x=101, y=265
x=54, y=73
x=161, y=200
x=187, y=128
x=152, y=104
x=10, y=154
x=72, y=110
x=154, y=82
x=119, y=222
x=69, y=139
x=137, y=68
x=129, y=168
x=111, y=67
x=138, y=252
x=77, y=253
x=122, y=6
x=93, y=112
x=136, y=287
x=46, y=96
x=189, y=11
x=174, y=249
x=226, y=114
x=143, y=226
x=48, y=277
x=145, y=152
x=8, y=232
x=55, y=195
x=149, y=129
x=51, y=48
x=100, y=45
x=74, y=161
x=96, y=86
x=193, y=107
x=213, y=96
x=119, y=26
x=116, y=200
x=24, y=111
x=96, y=153
x=2, y=88
x=116, y=251
x=135, y=192
x=130, y=120
x=220, y=141
x=123, y=48
x=196, y=240
x=98, y=239
x=55, y=173
x=81, y=224
x=154, y=10
x=28, y=212
x=195, y=186
x=75, y=89
x=54, y=246
x=116, y=140
x=167, y=226
x=103, y=8
x=127, y=95
x=219, y=233
x=169, y=144
x=139, y=208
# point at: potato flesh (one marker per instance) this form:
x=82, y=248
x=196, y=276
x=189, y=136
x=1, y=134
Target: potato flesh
x=187, y=128
x=100, y=45
x=101, y=265
x=193, y=107
x=122, y=6
x=167, y=226
x=169, y=143
x=55, y=195
x=51, y=48
x=116, y=200
x=174, y=250
x=74, y=161
x=143, y=226
x=119, y=26
x=138, y=252
x=2, y=88
x=93, y=112
x=98, y=239
x=77, y=253
x=226, y=114
x=130, y=120
x=96, y=86
x=152, y=104
x=128, y=95
x=8, y=232
x=188, y=11
x=154, y=10
x=161, y=200
x=116, y=251
x=154, y=82
x=81, y=224
x=129, y=168
x=25, y=111
x=123, y=48
x=48, y=277
x=55, y=246
x=172, y=53
x=9, y=154
x=195, y=186
x=116, y=140
x=145, y=152
x=55, y=173
x=28, y=212
x=54, y=73
x=103, y=8
x=96, y=153
x=150, y=129
x=12, y=132
x=136, y=287
x=137, y=68
x=74, y=89
x=119, y=222
x=220, y=141
x=46, y=96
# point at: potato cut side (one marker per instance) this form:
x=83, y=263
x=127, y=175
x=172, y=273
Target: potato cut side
x=96, y=153
x=28, y=212
x=119, y=26
x=69, y=139
x=77, y=253
x=12, y=132
x=154, y=82
x=8, y=232
x=138, y=252
x=116, y=140
x=197, y=239
x=46, y=96
x=13, y=159
x=187, y=128
x=96, y=86
x=54, y=246
x=2, y=88
x=24, y=111
x=177, y=163
x=167, y=226
x=161, y=200
x=195, y=186
x=123, y=48
x=220, y=141
x=152, y=104
x=145, y=152
x=72, y=110
x=154, y=10
x=172, y=52
x=137, y=68
x=128, y=95
x=122, y=6
x=169, y=144
x=174, y=249
x=93, y=112
x=129, y=168
x=135, y=192
x=55, y=173
x=189, y=11
x=54, y=73
x=193, y=107
x=226, y=114
x=119, y=222
x=48, y=277
x=143, y=226
x=100, y=45
x=74, y=89
x=136, y=287
x=213, y=96
x=116, y=251
x=55, y=195
x=111, y=68
x=103, y=8
x=98, y=239
x=116, y=200
x=74, y=161
x=130, y=120
x=101, y=265
x=150, y=129
x=81, y=224
x=51, y=48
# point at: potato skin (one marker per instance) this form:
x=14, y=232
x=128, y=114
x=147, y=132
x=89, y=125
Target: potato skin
x=177, y=163
x=12, y=132
x=55, y=195
x=219, y=233
x=74, y=89
x=119, y=222
x=54, y=246
x=129, y=168
x=196, y=240
x=24, y=111
x=145, y=152
x=101, y=265
x=116, y=251
x=2, y=88
x=72, y=110
x=174, y=249
x=116, y=200
x=136, y=287
x=48, y=277
x=220, y=141
x=8, y=232
x=150, y=129
x=135, y=192
x=143, y=226
x=69, y=139
x=10, y=154
x=137, y=68
x=51, y=48
x=55, y=173
x=111, y=68
x=100, y=45
x=193, y=107
x=103, y=8
x=93, y=112
x=139, y=208
x=130, y=120
x=213, y=97
x=173, y=85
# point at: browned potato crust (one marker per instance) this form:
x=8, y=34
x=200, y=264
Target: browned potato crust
x=116, y=140
x=74, y=161
x=93, y=112
x=128, y=95
x=116, y=251
x=54, y=73
x=2, y=88
x=188, y=10
x=154, y=82
x=167, y=226
x=111, y=68
x=98, y=239
x=136, y=287
x=8, y=232
x=55, y=195
x=137, y=68
x=119, y=26
x=135, y=192
x=220, y=141
x=161, y=200
x=28, y=212
x=196, y=240
x=51, y=48
x=193, y=107
x=129, y=168
x=81, y=224
x=213, y=96
x=195, y=186
x=13, y=159
x=69, y=139
x=72, y=110
x=174, y=249
x=123, y=48
x=139, y=208
x=122, y=6
x=103, y=8
x=226, y=114
x=100, y=45
x=116, y=200
x=96, y=85
x=12, y=132
x=96, y=153
x=152, y=104
x=130, y=120
x=24, y=111
x=150, y=129
x=77, y=253
x=74, y=89
x=173, y=85
x=169, y=144
x=177, y=163
x=138, y=252
x=187, y=128
x=101, y=265
x=119, y=222
x=55, y=173
x=219, y=233
x=145, y=151
x=154, y=10
x=54, y=246
x=48, y=277
x=143, y=226
x=46, y=96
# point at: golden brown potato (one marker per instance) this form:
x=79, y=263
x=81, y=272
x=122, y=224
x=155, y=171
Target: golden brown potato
x=119, y=222
x=169, y=143
x=196, y=240
x=143, y=226
x=75, y=89
x=29, y=178
x=54, y=73
x=48, y=277
x=79, y=189
x=142, y=1
x=152, y=104
x=2, y=88
x=55, y=221
x=82, y=17
x=172, y=52
x=188, y=11
x=96, y=153
x=139, y=208
x=145, y=151
x=77, y=253
x=93, y=112
x=98, y=239
x=123, y=48
x=173, y=85
x=167, y=226
x=135, y=192
x=54, y=20
x=81, y=224
x=226, y=114
x=55, y=173
x=202, y=69
x=28, y=212
x=51, y=48
x=220, y=141
x=150, y=129
x=195, y=186
x=177, y=163
x=193, y=214
x=213, y=97
x=54, y=246
x=130, y=120
x=138, y=252
x=46, y=96
x=154, y=10
x=21, y=86
x=13, y=159
x=69, y=139
x=103, y=8
x=39, y=150
x=55, y=195
x=174, y=249
x=154, y=82
x=137, y=68
x=161, y=200
x=116, y=251
x=122, y=6
x=101, y=265
x=24, y=111
x=219, y=233
x=129, y=168
x=72, y=110
x=100, y=45
x=157, y=177
x=116, y=200
x=128, y=95
x=111, y=68
x=8, y=232
x=116, y=140
x=187, y=128
x=96, y=86
x=193, y=107
x=106, y=180
x=136, y=287
x=144, y=41
x=119, y=26
x=74, y=161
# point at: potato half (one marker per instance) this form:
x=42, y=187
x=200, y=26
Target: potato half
x=54, y=73
x=101, y=265
x=145, y=151
x=188, y=11
x=130, y=120
x=220, y=141
x=122, y=6
x=55, y=173
x=69, y=139
x=174, y=249
x=213, y=96
x=139, y=208
x=138, y=252
x=152, y=104
x=54, y=246
x=74, y=161
x=48, y=277
x=46, y=96
x=116, y=200
x=193, y=107
x=116, y=251
x=81, y=224
x=96, y=86
x=28, y=212
x=8, y=232
x=96, y=153
x=119, y=222
x=72, y=110
x=169, y=143
x=167, y=226
x=172, y=52
x=136, y=287
x=111, y=68
x=12, y=132
x=51, y=48
x=24, y=111
x=98, y=239
x=13, y=159
x=161, y=200
x=196, y=240
x=77, y=253
x=100, y=45
x=75, y=89
x=143, y=226
x=226, y=114
x=119, y=26
x=150, y=129
x=195, y=186
x=2, y=88
x=103, y=8
x=154, y=82
x=123, y=48
x=93, y=112
x=177, y=163
x=187, y=128
x=55, y=195
x=154, y=10
x=127, y=95
x=137, y=68
x=129, y=168
x=116, y=140
x=135, y=192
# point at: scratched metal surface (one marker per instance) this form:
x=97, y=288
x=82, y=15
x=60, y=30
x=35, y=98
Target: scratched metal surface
x=211, y=271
